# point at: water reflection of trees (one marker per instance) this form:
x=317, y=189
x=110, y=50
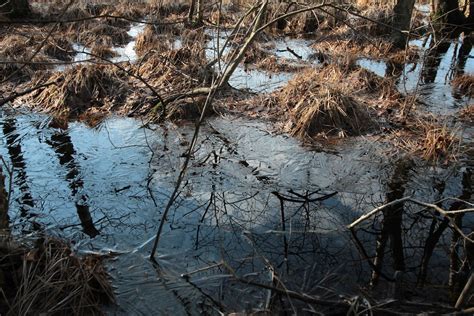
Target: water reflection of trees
x=15, y=151
x=63, y=147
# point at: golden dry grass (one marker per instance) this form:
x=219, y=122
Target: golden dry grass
x=429, y=139
x=79, y=88
x=343, y=44
x=467, y=114
x=50, y=279
x=464, y=84
x=152, y=40
x=326, y=102
x=103, y=51
x=118, y=35
x=14, y=51
x=59, y=47
x=172, y=72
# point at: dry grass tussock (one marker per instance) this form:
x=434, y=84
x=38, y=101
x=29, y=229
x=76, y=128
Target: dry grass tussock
x=59, y=47
x=152, y=38
x=50, y=279
x=18, y=48
x=343, y=43
x=118, y=35
x=467, y=114
x=381, y=13
x=103, y=51
x=326, y=102
x=464, y=84
x=79, y=88
x=172, y=72
x=429, y=139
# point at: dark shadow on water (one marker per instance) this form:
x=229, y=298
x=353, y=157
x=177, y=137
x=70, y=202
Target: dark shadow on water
x=433, y=61
x=13, y=142
x=62, y=144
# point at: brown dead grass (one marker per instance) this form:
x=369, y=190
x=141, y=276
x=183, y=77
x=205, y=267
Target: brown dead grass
x=171, y=72
x=50, y=279
x=59, y=47
x=16, y=49
x=103, y=51
x=467, y=114
x=152, y=40
x=464, y=84
x=342, y=44
x=118, y=35
x=429, y=139
x=79, y=88
x=326, y=102
x=382, y=13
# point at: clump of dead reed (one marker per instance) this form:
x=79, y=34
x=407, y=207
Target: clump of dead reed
x=427, y=138
x=464, y=84
x=324, y=103
x=118, y=35
x=168, y=7
x=59, y=47
x=467, y=114
x=343, y=44
x=172, y=72
x=103, y=51
x=15, y=51
x=382, y=14
x=50, y=278
x=151, y=39
x=439, y=143
x=188, y=109
x=79, y=88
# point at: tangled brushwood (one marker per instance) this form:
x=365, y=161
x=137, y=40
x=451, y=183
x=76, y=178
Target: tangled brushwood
x=50, y=279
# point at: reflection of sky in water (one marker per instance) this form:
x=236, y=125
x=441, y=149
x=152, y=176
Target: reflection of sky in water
x=300, y=46
x=258, y=81
x=127, y=53
x=375, y=66
x=254, y=79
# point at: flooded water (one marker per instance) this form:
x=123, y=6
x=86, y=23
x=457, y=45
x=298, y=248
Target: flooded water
x=127, y=52
x=105, y=188
x=255, y=80
x=431, y=76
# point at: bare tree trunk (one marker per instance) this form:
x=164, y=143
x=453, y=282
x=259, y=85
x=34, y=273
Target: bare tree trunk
x=200, y=11
x=3, y=203
x=401, y=22
x=447, y=15
x=192, y=8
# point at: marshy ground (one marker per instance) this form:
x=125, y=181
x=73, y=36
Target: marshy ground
x=321, y=121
